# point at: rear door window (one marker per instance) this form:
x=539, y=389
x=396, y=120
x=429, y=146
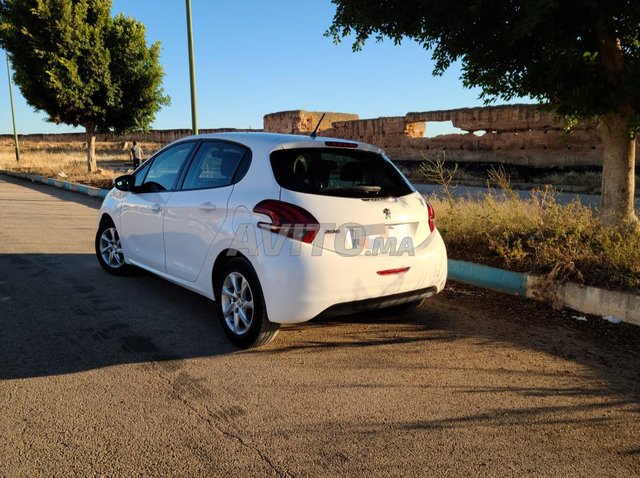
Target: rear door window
x=338, y=172
x=215, y=165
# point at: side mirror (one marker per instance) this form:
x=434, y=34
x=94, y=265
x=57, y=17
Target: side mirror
x=125, y=183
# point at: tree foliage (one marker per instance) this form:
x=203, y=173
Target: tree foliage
x=559, y=52
x=580, y=58
x=82, y=67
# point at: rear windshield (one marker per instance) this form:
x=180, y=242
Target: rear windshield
x=338, y=172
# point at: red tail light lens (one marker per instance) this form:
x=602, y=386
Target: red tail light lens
x=432, y=217
x=288, y=219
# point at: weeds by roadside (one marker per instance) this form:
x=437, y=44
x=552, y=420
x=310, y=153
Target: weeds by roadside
x=538, y=234
x=434, y=171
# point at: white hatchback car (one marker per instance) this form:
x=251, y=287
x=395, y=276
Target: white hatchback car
x=277, y=229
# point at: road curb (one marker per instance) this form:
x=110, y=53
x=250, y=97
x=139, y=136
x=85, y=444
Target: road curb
x=488, y=277
x=75, y=187
x=585, y=299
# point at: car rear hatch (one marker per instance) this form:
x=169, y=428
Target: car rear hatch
x=363, y=204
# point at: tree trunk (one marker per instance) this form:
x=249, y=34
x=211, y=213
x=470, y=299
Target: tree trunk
x=618, y=170
x=91, y=148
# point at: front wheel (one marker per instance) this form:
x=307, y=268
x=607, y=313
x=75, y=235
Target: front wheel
x=240, y=304
x=109, y=249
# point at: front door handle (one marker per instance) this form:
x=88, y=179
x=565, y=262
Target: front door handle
x=207, y=207
x=155, y=208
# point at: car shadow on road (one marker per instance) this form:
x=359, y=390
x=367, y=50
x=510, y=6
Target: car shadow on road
x=62, y=314
x=380, y=327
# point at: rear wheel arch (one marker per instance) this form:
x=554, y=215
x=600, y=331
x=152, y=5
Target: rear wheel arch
x=224, y=257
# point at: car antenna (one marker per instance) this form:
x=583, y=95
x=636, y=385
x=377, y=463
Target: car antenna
x=314, y=132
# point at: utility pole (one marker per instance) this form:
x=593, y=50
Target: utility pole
x=13, y=114
x=192, y=74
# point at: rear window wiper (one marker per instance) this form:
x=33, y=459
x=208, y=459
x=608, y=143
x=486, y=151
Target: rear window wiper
x=363, y=188
x=352, y=191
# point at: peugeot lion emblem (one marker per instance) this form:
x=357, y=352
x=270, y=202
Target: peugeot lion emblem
x=387, y=213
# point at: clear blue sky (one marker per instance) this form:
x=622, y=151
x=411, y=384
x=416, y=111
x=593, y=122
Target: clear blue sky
x=256, y=57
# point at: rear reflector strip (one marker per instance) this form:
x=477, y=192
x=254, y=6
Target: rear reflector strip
x=389, y=272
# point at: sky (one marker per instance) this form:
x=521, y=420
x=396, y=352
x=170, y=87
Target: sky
x=257, y=57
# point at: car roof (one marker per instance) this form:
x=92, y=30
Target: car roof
x=274, y=141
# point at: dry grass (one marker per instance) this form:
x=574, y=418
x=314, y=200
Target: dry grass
x=68, y=161
x=540, y=235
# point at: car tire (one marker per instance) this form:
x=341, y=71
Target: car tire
x=240, y=304
x=109, y=249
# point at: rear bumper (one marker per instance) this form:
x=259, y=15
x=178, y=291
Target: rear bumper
x=298, y=287
x=378, y=302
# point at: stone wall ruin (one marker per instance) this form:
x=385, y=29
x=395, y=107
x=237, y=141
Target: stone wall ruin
x=522, y=135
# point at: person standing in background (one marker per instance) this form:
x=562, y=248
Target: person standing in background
x=136, y=154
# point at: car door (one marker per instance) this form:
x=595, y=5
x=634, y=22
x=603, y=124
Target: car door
x=142, y=213
x=195, y=213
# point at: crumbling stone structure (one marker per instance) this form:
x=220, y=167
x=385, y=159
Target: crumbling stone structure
x=303, y=122
x=521, y=135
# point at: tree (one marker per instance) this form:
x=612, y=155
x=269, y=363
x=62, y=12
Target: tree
x=581, y=58
x=82, y=67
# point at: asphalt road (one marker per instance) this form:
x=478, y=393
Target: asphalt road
x=106, y=376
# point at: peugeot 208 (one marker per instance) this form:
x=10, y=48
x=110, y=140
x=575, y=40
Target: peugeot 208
x=276, y=229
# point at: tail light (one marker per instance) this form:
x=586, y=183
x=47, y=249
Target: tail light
x=432, y=217
x=288, y=219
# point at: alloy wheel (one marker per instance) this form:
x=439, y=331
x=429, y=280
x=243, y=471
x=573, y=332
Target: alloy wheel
x=237, y=303
x=111, y=249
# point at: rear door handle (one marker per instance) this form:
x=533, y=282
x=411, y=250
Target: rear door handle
x=156, y=208
x=207, y=207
